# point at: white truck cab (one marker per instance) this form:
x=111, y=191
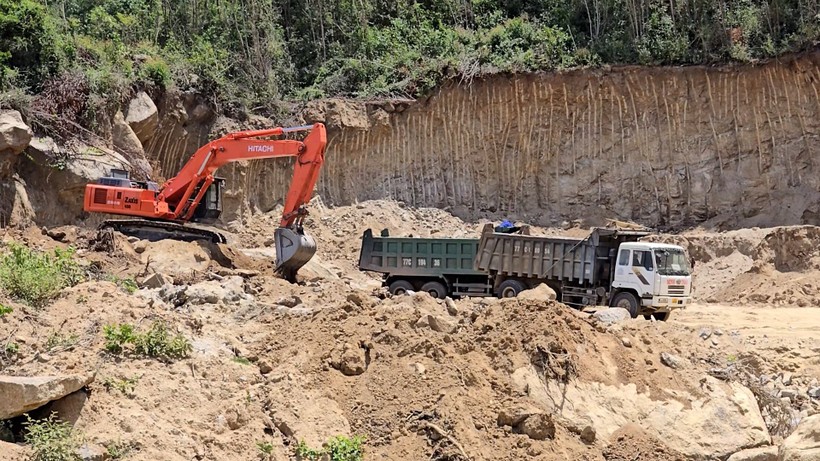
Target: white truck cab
x=658, y=275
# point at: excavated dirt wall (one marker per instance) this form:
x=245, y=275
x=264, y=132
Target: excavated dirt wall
x=671, y=147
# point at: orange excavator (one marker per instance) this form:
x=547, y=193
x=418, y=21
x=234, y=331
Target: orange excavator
x=194, y=195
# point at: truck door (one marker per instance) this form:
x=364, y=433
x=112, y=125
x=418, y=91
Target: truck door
x=642, y=270
x=634, y=270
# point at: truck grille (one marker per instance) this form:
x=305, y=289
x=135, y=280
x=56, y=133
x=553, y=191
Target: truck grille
x=676, y=290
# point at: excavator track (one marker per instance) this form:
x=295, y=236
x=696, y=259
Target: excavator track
x=158, y=230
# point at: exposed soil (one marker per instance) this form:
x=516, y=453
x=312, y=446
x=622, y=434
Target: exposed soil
x=419, y=378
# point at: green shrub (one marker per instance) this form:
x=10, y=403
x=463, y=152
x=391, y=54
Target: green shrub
x=4, y=310
x=157, y=72
x=117, y=337
x=127, y=284
x=126, y=386
x=339, y=448
x=36, y=277
x=52, y=439
x=155, y=343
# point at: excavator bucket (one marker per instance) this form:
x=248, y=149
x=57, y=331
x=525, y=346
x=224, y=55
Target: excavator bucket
x=293, y=250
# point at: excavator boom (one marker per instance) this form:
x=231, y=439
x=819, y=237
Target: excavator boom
x=195, y=195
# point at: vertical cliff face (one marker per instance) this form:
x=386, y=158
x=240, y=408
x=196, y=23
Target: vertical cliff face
x=664, y=146
x=672, y=147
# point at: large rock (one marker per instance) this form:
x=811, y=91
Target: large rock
x=15, y=135
x=56, y=177
x=20, y=394
x=16, y=209
x=142, y=117
x=127, y=141
x=349, y=359
x=612, y=315
x=540, y=293
x=756, y=454
x=715, y=425
x=68, y=408
x=804, y=443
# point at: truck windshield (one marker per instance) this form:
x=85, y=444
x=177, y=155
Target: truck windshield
x=672, y=262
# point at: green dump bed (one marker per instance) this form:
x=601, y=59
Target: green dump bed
x=418, y=257
x=581, y=262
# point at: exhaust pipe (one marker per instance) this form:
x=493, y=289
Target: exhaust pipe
x=294, y=249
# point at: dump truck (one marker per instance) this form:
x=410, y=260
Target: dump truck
x=610, y=267
x=439, y=266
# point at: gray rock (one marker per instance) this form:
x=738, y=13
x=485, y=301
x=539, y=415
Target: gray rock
x=626, y=342
x=90, y=452
x=442, y=325
x=612, y=315
x=788, y=393
x=718, y=332
x=451, y=306
x=265, y=367
x=786, y=379
x=705, y=333
x=814, y=392
x=15, y=135
x=588, y=435
x=290, y=301
x=672, y=361
x=23, y=394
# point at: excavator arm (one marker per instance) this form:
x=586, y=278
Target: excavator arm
x=178, y=199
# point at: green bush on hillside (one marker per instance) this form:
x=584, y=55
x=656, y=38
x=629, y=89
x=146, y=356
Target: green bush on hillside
x=36, y=277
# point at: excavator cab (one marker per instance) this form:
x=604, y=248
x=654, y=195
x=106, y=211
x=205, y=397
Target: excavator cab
x=210, y=208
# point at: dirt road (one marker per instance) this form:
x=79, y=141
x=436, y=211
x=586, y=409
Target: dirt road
x=796, y=324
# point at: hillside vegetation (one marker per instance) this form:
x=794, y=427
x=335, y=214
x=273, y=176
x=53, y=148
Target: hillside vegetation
x=244, y=54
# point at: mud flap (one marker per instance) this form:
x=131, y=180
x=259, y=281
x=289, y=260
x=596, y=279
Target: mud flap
x=293, y=250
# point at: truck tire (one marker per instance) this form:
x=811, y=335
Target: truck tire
x=628, y=301
x=510, y=288
x=400, y=287
x=435, y=289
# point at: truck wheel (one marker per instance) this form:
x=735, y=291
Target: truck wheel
x=626, y=301
x=400, y=287
x=510, y=288
x=435, y=289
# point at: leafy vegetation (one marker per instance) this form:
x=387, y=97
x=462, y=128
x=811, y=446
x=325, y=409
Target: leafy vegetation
x=36, y=277
x=52, y=439
x=82, y=56
x=4, y=310
x=339, y=448
x=126, y=386
x=155, y=343
x=128, y=284
x=119, y=450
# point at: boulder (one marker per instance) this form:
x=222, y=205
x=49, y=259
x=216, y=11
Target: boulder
x=612, y=315
x=23, y=394
x=142, y=116
x=672, y=361
x=67, y=408
x=127, y=141
x=724, y=419
x=804, y=443
x=15, y=135
x=349, y=359
x=513, y=416
x=756, y=454
x=540, y=293
x=156, y=280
